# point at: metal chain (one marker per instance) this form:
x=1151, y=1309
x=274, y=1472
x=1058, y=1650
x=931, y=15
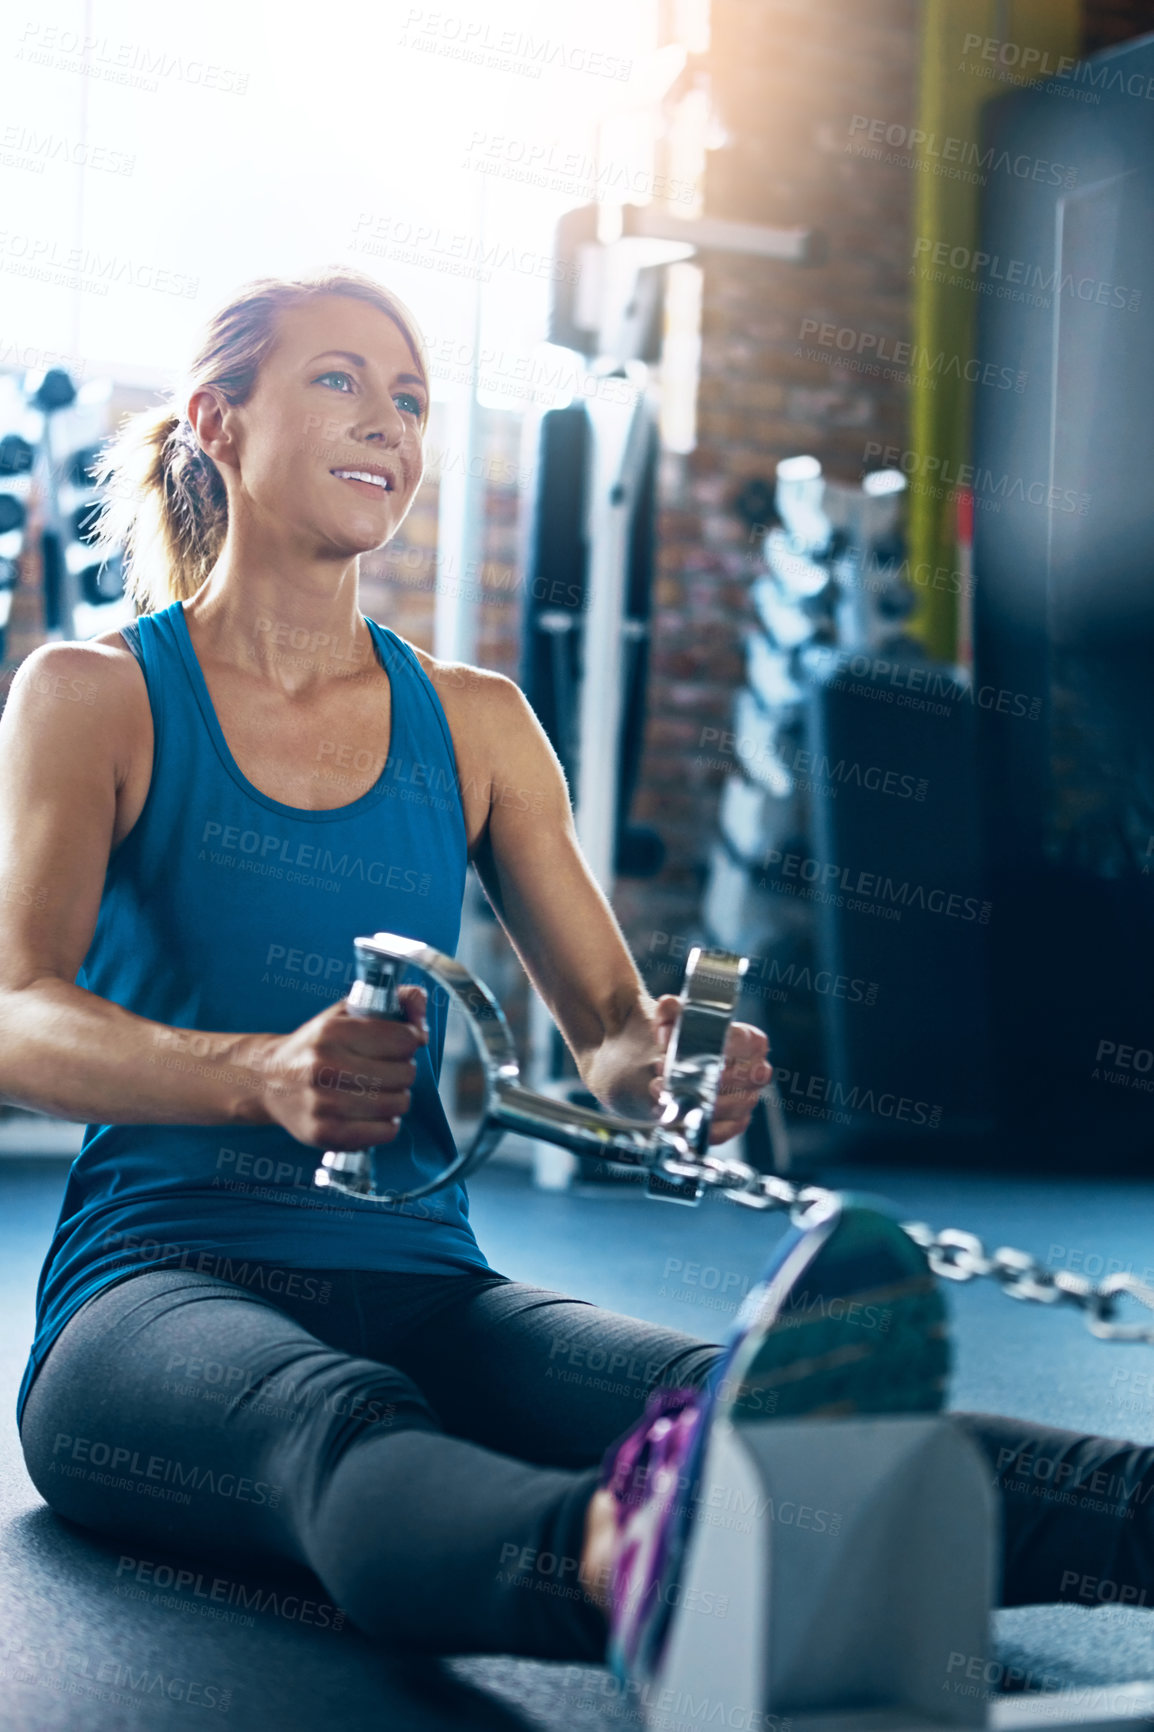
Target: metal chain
x=952, y=1254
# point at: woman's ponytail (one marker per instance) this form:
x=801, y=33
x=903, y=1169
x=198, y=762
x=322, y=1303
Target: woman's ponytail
x=165, y=507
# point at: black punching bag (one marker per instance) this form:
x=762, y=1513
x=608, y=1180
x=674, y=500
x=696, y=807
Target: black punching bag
x=554, y=617
x=551, y=649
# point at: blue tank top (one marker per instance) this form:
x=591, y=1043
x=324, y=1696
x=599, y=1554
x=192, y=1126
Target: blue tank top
x=225, y=910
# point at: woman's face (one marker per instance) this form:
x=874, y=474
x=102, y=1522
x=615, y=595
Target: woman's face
x=329, y=442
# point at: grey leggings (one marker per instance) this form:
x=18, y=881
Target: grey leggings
x=427, y=1446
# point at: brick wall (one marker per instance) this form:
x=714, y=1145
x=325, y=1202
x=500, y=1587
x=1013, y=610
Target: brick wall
x=787, y=76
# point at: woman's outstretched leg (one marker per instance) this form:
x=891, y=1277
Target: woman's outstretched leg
x=1077, y=1513
x=292, y=1449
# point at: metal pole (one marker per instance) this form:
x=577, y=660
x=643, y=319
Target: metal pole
x=460, y=502
x=460, y=554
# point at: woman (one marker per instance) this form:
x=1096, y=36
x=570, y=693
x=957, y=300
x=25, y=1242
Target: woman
x=227, y=1359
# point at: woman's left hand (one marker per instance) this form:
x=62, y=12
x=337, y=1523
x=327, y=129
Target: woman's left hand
x=745, y=1074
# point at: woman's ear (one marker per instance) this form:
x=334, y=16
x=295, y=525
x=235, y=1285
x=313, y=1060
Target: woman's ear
x=209, y=416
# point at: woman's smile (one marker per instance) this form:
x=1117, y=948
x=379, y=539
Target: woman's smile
x=369, y=479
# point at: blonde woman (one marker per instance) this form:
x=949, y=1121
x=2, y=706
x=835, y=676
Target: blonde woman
x=197, y=816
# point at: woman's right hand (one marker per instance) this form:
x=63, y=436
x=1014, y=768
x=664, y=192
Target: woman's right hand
x=343, y=1081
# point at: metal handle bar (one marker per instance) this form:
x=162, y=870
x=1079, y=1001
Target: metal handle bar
x=691, y=1077
x=674, y=1149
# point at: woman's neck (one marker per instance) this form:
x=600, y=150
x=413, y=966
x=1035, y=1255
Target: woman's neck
x=297, y=626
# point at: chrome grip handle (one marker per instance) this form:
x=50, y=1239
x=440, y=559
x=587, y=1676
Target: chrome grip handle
x=695, y=1059
x=373, y=993
x=691, y=1076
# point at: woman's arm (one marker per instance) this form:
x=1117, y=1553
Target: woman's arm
x=68, y=736
x=66, y=746
x=564, y=930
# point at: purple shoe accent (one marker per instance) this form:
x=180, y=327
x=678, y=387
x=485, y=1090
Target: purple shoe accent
x=645, y=1472
x=805, y=1358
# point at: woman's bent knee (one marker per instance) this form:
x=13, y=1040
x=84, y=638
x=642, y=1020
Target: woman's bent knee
x=121, y=1434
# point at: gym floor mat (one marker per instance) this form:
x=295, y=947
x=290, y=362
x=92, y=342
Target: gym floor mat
x=85, y=1642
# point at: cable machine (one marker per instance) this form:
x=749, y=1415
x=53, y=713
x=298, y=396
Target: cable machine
x=592, y=538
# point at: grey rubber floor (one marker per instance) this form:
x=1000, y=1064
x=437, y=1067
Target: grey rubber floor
x=77, y=1653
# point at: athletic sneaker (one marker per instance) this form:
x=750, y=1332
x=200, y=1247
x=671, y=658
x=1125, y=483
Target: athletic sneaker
x=848, y=1319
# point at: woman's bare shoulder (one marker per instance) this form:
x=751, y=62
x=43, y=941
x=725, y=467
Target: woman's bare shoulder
x=79, y=709
x=475, y=696
x=103, y=668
